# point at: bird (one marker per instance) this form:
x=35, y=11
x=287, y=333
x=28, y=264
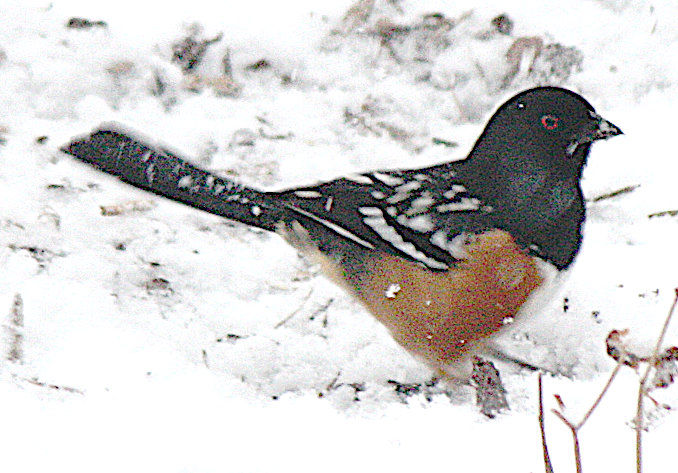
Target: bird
x=446, y=257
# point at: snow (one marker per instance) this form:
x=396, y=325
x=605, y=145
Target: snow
x=166, y=339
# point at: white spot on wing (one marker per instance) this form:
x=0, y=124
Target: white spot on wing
x=388, y=179
x=184, y=182
x=237, y=198
x=464, y=204
x=455, y=247
x=420, y=223
x=308, y=194
x=370, y=211
x=403, y=192
x=328, y=203
x=409, y=187
x=150, y=173
x=334, y=227
x=394, y=199
x=456, y=189
x=359, y=178
x=375, y=220
x=421, y=204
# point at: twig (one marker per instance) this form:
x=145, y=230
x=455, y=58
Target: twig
x=322, y=310
x=600, y=396
x=127, y=207
x=14, y=328
x=56, y=387
x=457, y=102
x=547, y=458
x=575, y=438
x=576, y=427
x=295, y=311
x=615, y=193
x=664, y=213
x=204, y=359
x=642, y=388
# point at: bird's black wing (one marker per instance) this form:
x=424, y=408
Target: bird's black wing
x=422, y=215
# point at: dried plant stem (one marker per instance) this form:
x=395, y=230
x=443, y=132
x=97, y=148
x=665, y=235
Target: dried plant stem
x=295, y=311
x=616, y=193
x=600, y=396
x=547, y=458
x=642, y=388
x=14, y=328
x=462, y=114
x=576, y=427
x=639, y=428
x=56, y=387
x=575, y=438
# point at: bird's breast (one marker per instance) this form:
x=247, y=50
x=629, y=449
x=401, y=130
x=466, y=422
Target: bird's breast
x=443, y=317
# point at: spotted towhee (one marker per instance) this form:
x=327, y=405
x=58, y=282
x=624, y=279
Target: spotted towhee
x=444, y=256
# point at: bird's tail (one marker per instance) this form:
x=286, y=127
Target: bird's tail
x=153, y=168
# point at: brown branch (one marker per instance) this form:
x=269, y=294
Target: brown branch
x=642, y=388
x=575, y=437
x=14, y=330
x=664, y=213
x=617, y=350
x=295, y=311
x=576, y=427
x=639, y=428
x=600, y=396
x=615, y=193
x=548, y=466
x=56, y=387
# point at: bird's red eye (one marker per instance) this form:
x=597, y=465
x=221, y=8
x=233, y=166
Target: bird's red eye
x=550, y=122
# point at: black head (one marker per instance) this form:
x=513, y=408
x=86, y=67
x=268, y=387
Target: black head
x=548, y=126
x=527, y=166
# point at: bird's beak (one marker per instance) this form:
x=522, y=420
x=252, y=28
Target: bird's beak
x=597, y=129
x=600, y=129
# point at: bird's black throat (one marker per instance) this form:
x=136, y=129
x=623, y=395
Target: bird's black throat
x=542, y=208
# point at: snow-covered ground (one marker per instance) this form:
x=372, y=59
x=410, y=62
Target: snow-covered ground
x=165, y=339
